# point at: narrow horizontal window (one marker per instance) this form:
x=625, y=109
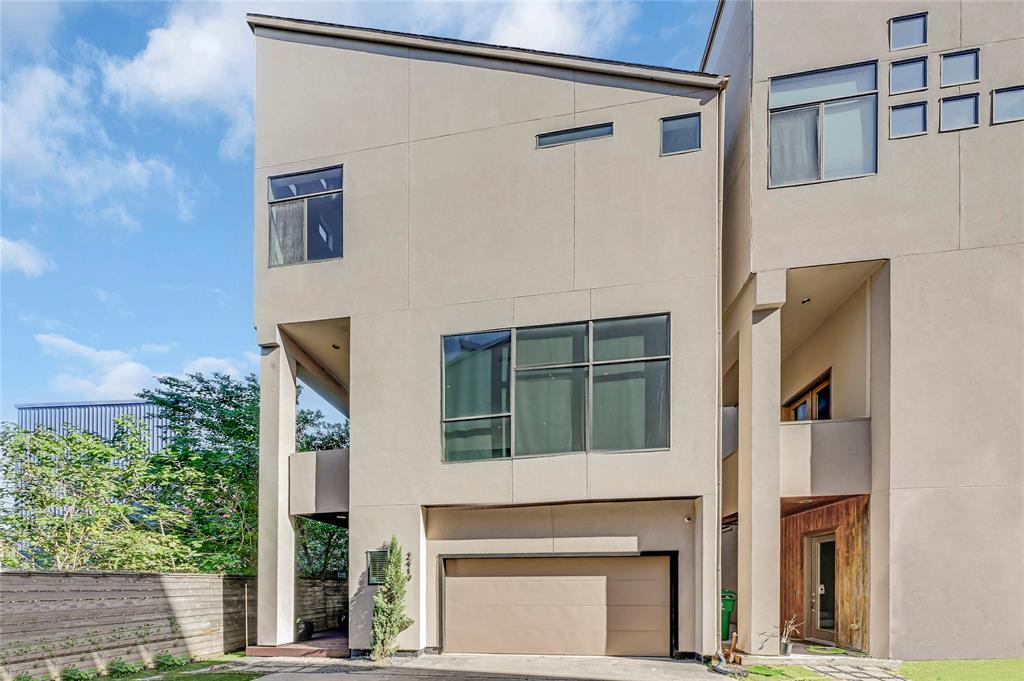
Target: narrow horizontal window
x=907, y=120
x=1008, y=104
x=302, y=184
x=551, y=139
x=817, y=86
x=959, y=68
x=909, y=31
x=908, y=76
x=680, y=133
x=958, y=113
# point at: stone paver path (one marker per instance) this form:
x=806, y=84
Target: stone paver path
x=859, y=673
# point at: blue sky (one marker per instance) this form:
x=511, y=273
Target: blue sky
x=126, y=161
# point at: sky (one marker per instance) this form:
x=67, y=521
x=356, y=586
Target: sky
x=126, y=170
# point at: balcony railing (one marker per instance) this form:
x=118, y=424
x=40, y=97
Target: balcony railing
x=318, y=482
x=818, y=458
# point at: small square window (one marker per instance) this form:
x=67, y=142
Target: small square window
x=909, y=31
x=908, y=76
x=680, y=133
x=376, y=566
x=959, y=68
x=958, y=113
x=908, y=120
x=1008, y=104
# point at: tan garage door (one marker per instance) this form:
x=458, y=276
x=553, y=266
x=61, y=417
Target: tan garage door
x=557, y=606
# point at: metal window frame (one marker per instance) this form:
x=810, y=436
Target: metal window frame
x=661, y=133
x=976, y=51
x=589, y=364
x=901, y=62
x=977, y=111
x=304, y=198
x=992, y=103
x=370, y=581
x=582, y=128
x=905, y=17
x=908, y=105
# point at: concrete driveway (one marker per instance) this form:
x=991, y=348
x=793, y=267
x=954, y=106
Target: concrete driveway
x=480, y=668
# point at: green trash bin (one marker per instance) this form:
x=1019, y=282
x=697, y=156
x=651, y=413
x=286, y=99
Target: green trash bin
x=728, y=605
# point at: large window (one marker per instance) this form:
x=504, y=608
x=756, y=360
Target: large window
x=305, y=216
x=823, y=125
x=589, y=386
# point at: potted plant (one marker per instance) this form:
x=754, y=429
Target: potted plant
x=303, y=629
x=789, y=629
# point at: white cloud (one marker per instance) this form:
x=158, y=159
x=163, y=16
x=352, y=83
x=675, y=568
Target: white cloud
x=21, y=256
x=156, y=348
x=200, y=60
x=28, y=27
x=212, y=365
x=92, y=373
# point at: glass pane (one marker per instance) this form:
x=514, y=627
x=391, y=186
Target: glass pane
x=908, y=32
x=477, y=439
x=286, y=233
x=908, y=75
x=476, y=373
x=550, y=139
x=323, y=222
x=551, y=409
x=959, y=112
x=800, y=411
x=908, y=120
x=794, y=146
x=300, y=184
x=1008, y=105
x=631, y=338
x=827, y=585
x=566, y=344
x=959, y=68
x=680, y=134
x=814, y=87
x=631, y=406
x=823, y=403
x=850, y=138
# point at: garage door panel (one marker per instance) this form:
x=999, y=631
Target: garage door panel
x=575, y=606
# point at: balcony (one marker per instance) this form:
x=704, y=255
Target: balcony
x=822, y=458
x=318, y=485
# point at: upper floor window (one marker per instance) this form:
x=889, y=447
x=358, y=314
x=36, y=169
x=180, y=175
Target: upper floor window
x=823, y=125
x=908, y=76
x=306, y=216
x=553, y=139
x=959, y=68
x=958, y=113
x=1008, y=104
x=585, y=386
x=680, y=133
x=909, y=31
x=813, y=403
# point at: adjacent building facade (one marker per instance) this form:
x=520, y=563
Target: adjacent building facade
x=872, y=286
x=612, y=337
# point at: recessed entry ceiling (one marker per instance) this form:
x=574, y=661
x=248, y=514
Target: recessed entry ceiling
x=814, y=293
x=327, y=342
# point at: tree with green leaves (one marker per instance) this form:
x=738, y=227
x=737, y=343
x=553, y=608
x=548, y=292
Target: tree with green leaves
x=75, y=501
x=389, y=618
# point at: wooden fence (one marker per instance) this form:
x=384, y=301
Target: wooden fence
x=50, y=620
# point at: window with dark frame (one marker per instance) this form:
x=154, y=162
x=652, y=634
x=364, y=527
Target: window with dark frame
x=909, y=75
x=908, y=120
x=680, y=134
x=306, y=216
x=587, y=132
x=908, y=31
x=959, y=68
x=812, y=403
x=1008, y=104
x=959, y=113
x=376, y=566
x=594, y=386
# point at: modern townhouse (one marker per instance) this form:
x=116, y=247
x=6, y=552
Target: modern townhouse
x=873, y=323
x=504, y=265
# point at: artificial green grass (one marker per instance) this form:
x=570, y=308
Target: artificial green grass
x=193, y=671
x=963, y=670
x=790, y=673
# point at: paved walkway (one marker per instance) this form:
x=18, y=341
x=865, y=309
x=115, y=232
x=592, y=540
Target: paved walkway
x=859, y=673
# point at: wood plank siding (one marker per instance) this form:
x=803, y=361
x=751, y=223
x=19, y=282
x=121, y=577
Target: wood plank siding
x=849, y=520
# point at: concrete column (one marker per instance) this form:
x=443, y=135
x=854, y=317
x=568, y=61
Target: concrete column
x=707, y=588
x=758, y=466
x=275, y=615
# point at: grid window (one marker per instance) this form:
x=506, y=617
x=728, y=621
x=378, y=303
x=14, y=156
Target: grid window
x=958, y=113
x=909, y=31
x=959, y=68
x=1008, y=104
x=680, y=134
x=908, y=76
x=376, y=566
x=306, y=216
x=908, y=120
x=823, y=125
x=554, y=139
x=579, y=387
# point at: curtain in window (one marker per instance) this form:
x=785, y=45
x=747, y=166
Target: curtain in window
x=551, y=410
x=794, y=146
x=850, y=137
x=631, y=408
x=286, y=233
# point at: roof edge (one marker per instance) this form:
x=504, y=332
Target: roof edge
x=711, y=34
x=523, y=55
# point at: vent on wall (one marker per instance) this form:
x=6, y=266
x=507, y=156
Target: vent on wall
x=376, y=564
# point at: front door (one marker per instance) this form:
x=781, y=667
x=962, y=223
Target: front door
x=821, y=585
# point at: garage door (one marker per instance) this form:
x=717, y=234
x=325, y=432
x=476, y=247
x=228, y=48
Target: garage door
x=557, y=606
